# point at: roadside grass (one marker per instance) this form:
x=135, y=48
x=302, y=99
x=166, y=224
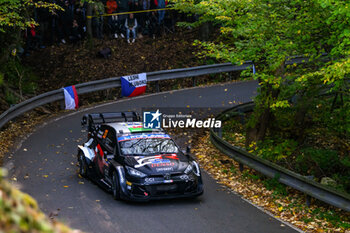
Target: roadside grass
x=280, y=200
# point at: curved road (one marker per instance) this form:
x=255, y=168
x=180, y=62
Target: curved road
x=45, y=167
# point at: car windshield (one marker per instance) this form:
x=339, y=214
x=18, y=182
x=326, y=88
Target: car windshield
x=146, y=146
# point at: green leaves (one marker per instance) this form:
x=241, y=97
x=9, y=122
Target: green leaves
x=267, y=32
x=18, y=13
x=1, y=79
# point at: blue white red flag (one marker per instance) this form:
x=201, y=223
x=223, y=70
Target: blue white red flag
x=133, y=85
x=71, y=97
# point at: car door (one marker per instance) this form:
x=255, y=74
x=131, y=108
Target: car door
x=101, y=151
x=108, y=142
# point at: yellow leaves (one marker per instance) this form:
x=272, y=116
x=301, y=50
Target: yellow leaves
x=20, y=213
x=223, y=18
x=280, y=104
x=226, y=30
x=45, y=176
x=289, y=208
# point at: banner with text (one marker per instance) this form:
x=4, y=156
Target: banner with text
x=133, y=85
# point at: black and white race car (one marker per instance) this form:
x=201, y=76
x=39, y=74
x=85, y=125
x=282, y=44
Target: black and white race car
x=136, y=163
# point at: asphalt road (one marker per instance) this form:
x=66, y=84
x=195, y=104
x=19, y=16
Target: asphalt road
x=45, y=167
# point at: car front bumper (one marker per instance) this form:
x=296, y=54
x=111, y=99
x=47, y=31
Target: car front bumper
x=155, y=191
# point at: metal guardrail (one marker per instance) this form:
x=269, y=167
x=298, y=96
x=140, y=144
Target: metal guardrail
x=267, y=168
x=156, y=76
x=272, y=170
x=104, y=84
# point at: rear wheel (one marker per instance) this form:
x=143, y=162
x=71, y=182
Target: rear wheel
x=82, y=165
x=115, y=186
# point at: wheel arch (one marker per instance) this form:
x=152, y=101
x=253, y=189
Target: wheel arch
x=87, y=152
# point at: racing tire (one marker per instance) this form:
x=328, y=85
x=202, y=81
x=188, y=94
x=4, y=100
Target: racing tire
x=115, y=186
x=83, y=167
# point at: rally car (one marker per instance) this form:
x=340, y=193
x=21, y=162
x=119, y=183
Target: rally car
x=136, y=163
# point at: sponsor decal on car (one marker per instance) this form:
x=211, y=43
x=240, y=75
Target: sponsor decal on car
x=142, y=136
x=164, y=169
x=156, y=161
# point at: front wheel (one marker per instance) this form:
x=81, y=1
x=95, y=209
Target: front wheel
x=115, y=186
x=82, y=165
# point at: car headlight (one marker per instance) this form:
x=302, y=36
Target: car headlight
x=134, y=172
x=188, y=169
x=196, y=168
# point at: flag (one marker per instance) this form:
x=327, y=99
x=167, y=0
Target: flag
x=71, y=97
x=133, y=85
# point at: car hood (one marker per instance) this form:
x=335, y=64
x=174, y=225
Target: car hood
x=158, y=164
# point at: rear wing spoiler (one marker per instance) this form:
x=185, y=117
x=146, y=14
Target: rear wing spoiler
x=93, y=119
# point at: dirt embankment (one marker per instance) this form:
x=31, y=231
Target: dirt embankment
x=59, y=66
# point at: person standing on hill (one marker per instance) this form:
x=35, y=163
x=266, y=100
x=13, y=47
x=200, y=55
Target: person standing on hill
x=112, y=8
x=123, y=6
x=160, y=5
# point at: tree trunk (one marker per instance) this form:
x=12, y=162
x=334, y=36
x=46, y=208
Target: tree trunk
x=204, y=31
x=89, y=23
x=259, y=131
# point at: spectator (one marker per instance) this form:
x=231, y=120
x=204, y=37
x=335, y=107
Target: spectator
x=118, y=27
x=137, y=7
x=43, y=18
x=80, y=17
x=111, y=6
x=123, y=6
x=32, y=39
x=66, y=18
x=97, y=22
x=160, y=5
x=75, y=35
x=112, y=20
x=131, y=25
x=146, y=5
x=153, y=25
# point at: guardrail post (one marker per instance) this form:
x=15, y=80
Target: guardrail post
x=242, y=117
x=308, y=201
x=62, y=104
x=219, y=132
x=241, y=167
x=157, y=86
x=194, y=81
x=308, y=197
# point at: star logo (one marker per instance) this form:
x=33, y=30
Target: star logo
x=151, y=120
x=156, y=115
